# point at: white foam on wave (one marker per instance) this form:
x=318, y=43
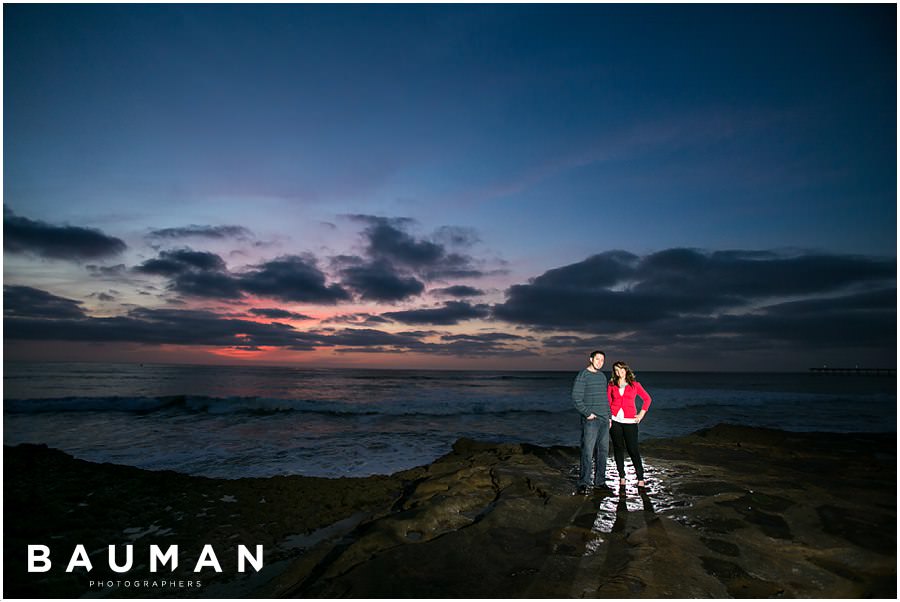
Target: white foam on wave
x=261, y=405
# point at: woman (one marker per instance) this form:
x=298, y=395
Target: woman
x=622, y=390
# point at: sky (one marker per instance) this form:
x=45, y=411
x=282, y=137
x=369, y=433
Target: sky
x=686, y=187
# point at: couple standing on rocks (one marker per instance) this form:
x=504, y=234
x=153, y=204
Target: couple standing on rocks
x=608, y=410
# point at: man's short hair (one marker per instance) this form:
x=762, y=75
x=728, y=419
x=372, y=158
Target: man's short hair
x=597, y=352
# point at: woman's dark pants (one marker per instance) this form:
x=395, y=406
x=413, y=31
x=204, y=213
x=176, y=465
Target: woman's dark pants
x=625, y=436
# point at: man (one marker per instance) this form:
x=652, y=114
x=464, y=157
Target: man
x=589, y=396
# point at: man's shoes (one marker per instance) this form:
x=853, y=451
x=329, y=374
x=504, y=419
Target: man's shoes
x=595, y=489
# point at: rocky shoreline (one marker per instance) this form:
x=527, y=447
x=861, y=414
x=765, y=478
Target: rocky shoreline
x=729, y=512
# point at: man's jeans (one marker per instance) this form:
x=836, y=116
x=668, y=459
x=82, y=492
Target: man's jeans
x=594, y=445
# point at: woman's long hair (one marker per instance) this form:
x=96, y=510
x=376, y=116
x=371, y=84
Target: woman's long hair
x=629, y=375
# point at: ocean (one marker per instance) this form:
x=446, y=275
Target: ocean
x=254, y=421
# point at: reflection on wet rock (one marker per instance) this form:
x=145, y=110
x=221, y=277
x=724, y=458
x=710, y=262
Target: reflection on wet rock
x=717, y=519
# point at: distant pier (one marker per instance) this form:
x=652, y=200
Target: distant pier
x=865, y=371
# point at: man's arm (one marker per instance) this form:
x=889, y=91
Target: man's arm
x=578, y=395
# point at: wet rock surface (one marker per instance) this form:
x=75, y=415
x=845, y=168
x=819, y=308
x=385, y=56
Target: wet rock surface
x=728, y=512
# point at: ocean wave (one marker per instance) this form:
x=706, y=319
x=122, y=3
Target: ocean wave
x=138, y=405
x=199, y=404
x=698, y=399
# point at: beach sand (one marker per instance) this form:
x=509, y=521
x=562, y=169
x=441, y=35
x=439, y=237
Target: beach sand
x=729, y=512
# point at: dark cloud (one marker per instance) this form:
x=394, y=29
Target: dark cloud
x=373, y=350
x=475, y=348
x=358, y=319
x=491, y=337
x=618, y=286
x=161, y=326
x=294, y=279
x=452, y=265
x=277, y=314
x=859, y=325
x=195, y=231
x=453, y=312
x=617, y=290
x=596, y=272
x=857, y=320
x=22, y=235
x=420, y=334
x=684, y=301
x=460, y=290
x=486, y=344
x=202, y=274
x=396, y=264
x=388, y=242
x=184, y=327
x=211, y=285
x=367, y=337
x=395, y=268
x=743, y=274
x=35, y=303
x=379, y=281
x=181, y=261
x=571, y=342
x=194, y=273
x=212, y=329
x=36, y=315
x=479, y=345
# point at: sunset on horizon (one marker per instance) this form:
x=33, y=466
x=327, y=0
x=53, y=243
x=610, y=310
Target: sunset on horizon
x=703, y=187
